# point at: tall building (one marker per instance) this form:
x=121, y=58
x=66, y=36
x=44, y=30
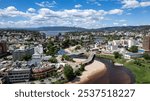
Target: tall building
x=3, y=47
x=19, y=75
x=20, y=72
x=131, y=42
x=20, y=53
x=37, y=56
x=146, y=43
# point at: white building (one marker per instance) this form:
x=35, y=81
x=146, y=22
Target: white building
x=37, y=56
x=131, y=42
x=132, y=55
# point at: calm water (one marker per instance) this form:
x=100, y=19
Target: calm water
x=53, y=33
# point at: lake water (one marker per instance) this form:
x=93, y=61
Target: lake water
x=53, y=33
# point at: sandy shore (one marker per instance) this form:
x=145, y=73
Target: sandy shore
x=92, y=71
x=97, y=73
x=77, y=60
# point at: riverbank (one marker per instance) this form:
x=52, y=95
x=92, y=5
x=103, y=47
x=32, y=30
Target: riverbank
x=92, y=71
x=103, y=71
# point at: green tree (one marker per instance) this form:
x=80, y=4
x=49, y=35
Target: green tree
x=78, y=47
x=69, y=73
x=65, y=44
x=53, y=60
x=27, y=57
x=52, y=49
x=82, y=67
x=133, y=49
x=117, y=55
x=68, y=58
x=146, y=56
x=79, y=71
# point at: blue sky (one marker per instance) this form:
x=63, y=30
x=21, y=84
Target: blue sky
x=79, y=13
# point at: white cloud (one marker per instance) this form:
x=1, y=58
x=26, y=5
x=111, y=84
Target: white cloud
x=130, y=3
x=93, y=2
x=125, y=24
x=46, y=4
x=48, y=17
x=11, y=11
x=134, y=3
x=78, y=6
x=115, y=24
x=97, y=3
x=128, y=13
x=122, y=20
x=11, y=8
x=116, y=11
x=32, y=10
x=145, y=4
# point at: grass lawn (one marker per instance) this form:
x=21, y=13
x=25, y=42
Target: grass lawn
x=142, y=71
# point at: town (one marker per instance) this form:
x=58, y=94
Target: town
x=84, y=57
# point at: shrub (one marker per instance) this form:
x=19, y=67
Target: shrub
x=133, y=49
x=146, y=56
x=68, y=58
x=117, y=55
x=53, y=60
x=69, y=73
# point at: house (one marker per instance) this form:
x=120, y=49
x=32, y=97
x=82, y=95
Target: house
x=132, y=55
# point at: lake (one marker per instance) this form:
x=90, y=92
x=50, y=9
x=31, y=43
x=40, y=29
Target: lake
x=53, y=33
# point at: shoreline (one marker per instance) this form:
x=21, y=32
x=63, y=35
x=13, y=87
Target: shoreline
x=99, y=72
x=96, y=68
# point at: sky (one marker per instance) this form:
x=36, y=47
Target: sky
x=74, y=13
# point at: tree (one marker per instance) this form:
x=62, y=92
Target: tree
x=78, y=47
x=133, y=49
x=53, y=60
x=65, y=44
x=52, y=49
x=27, y=57
x=82, y=67
x=69, y=73
x=117, y=55
x=79, y=71
x=146, y=56
x=68, y=58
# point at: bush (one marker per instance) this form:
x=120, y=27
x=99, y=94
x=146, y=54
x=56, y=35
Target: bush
x=79, y=71
x=59, y=82
x=53, y=60
x=27, y=57
x=69, y=73
x=82, y=68
x=117, y=55
x=78, y=47
x=146, y=56
x=68, y=58
x=133, y=49
x=137, y=62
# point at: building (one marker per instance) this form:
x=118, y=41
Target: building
x=37, y=56
x=3, y=47
x=2, y=80
x=19, y=75
x=131, y=42
x=20, y=72
x=146, y=43
x=132, y=55
x=20, y=53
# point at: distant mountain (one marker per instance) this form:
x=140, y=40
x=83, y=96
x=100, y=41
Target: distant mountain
x=58, y=28
x=124, y=28
x=118, y=28
x=79, y=29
